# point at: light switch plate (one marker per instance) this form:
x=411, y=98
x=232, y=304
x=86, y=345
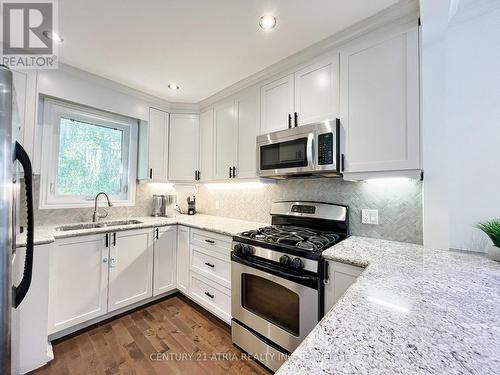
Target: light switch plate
x=369, y=216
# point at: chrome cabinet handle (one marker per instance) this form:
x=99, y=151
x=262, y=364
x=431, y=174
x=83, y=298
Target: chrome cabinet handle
x=210, y=264
x=112, y=262
x=210, y=241
x=209, y=295
x=105, y=260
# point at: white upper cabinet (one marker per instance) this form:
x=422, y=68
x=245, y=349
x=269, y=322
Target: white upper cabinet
x=207, y=145
x=379, y=103
x=225, y=140
x=183, y=147
x=157, y=145
x=130, y=267
x=246, y=112
x=316, y=92
x=308, y=95
x=276, y=105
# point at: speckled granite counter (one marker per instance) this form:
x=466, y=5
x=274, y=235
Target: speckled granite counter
x=412, y=311
x=217, y=224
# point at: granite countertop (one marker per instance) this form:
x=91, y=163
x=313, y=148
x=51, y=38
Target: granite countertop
x=222, y=225
x=412, y=311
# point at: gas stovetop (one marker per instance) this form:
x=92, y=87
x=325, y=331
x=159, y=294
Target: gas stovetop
x=304, y=241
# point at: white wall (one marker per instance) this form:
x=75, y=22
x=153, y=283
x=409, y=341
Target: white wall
x=461, y=117
x=473, y=117
x=84, y=88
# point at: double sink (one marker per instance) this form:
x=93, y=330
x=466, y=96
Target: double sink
x=101, y=224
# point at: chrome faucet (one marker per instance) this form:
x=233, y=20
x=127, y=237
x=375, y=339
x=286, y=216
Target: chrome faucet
x=97, y=215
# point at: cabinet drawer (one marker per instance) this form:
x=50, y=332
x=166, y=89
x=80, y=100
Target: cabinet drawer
x=213, y=297
x=212, y=241
x=214, y=266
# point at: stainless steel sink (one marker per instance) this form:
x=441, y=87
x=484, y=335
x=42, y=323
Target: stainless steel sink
x=101, y=224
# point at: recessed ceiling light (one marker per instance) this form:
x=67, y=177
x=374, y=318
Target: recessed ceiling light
x=173, y=86
x=53, y=35
x=267, y=22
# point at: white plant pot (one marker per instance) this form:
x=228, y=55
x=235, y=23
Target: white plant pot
x=494, y=253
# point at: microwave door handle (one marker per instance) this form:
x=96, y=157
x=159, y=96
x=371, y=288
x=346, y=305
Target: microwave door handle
x=310, y=149
x=21, y=290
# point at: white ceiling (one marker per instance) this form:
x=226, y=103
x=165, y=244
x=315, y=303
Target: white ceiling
x=202, y=45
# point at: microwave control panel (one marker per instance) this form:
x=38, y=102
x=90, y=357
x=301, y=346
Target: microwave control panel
x=325, y=149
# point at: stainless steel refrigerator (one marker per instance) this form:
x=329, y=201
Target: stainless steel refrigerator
x=13, y=161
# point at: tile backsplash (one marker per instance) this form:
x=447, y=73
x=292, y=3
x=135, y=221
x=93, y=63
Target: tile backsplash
x=399, y=203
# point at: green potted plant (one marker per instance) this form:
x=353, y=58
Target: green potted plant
x=492, y=230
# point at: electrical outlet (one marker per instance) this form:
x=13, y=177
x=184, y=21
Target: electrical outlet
x=217, y=205
x=369, y=216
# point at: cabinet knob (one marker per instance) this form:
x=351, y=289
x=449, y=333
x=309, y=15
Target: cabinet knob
x=112, y=262
x=105, y=260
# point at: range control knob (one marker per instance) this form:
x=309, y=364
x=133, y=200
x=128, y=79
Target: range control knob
x=237, y=248
x=297, y=263
x=247, y=249
x=285, y=260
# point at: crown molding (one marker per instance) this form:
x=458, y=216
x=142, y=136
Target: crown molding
x=401, y=12
x=470, y=9
x=153, y=101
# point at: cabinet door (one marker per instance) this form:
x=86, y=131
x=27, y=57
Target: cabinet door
x=157, y=145
x=316, y=92
x=225, y=139
x=340, y=277
x=130, y=267
x=276, y=104
x=379, y=103
x=207, y=145
x=183, y=259
x=165, y=262
x=183, y=147
x=78, y=281
x=246, y=109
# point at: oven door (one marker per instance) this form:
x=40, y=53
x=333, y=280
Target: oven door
x=282, y=308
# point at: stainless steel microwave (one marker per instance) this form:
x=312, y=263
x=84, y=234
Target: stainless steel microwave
x=311, y=150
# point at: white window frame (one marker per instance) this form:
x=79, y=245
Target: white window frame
x=53, y=111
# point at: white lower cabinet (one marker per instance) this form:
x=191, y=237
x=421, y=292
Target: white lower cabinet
x=78, y=281
x=210, y=272
x=165, y=260
x=212, y=296
x=95, y=275
x=340, y=277
x=211, y=265
x=130, y=267
x=183, y=259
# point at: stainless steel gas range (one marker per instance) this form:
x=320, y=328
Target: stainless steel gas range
x=277, y=278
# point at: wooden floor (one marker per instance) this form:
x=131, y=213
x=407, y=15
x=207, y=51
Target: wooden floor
x=174, y=336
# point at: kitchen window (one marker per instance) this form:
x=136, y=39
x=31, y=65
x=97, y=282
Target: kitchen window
x=86, y=151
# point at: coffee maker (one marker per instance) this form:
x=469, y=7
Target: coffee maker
x=191, y=205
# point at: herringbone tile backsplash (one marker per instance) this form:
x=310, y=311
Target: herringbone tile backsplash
x=399, y=204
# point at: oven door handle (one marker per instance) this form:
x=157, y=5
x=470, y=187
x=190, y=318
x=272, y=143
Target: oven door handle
x=306, y=280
